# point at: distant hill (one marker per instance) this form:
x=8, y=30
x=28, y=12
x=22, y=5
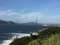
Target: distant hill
x=9, y=26
x=6, y=22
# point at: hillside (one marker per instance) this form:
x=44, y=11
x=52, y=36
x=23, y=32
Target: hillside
x=51, y=36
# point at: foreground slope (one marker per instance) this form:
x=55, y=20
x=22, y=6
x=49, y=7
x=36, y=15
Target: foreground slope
x=50, y=36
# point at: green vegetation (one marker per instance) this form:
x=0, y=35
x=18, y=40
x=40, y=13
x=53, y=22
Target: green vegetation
x=53, y=40
x=50, y=36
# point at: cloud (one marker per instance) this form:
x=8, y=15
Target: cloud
x=53, y=19
x=19, y=16
x=30, y=17
x=7, y=12
x=23, y=17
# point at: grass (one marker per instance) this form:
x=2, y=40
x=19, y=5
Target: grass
x=53, y=40
x=34, y=42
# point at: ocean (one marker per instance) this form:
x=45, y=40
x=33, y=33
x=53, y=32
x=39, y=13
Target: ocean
x=7, y=38
x=9, y=33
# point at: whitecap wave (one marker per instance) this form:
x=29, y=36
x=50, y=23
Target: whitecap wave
x=15, y=35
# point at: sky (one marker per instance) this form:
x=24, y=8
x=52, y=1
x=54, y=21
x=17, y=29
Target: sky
x=23, y=11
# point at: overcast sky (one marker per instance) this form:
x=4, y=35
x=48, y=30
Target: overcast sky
x=46, y=11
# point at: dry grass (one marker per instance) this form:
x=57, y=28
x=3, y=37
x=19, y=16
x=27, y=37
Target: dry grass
x=53, y=40
x=34, y=42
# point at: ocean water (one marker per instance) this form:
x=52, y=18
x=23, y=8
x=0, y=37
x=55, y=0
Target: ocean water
x=9, y=32
x=7, y=38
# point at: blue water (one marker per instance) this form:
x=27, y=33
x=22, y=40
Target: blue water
x=18, y=28
x=5, y=36
x=6, y=30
